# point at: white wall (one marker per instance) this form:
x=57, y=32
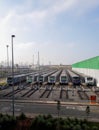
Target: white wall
x=91, y=72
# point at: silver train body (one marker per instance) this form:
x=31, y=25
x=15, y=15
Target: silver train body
x=88, y=80
x=44, y=77
x=31, y=78
x=16, y=79
x=75, y=78
x=34, y=76
x=52, y=79
x=64, y=77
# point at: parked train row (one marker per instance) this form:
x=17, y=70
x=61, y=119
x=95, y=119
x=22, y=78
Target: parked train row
x=86, y=79
x=29, y=77
x=51, y=77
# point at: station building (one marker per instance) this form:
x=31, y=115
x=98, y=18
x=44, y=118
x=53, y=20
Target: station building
x=88, y=67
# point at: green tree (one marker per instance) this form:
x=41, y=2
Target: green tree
x=95, y=128
x=22, y=116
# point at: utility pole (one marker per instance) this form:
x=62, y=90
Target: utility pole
x=7, y=68
x=12, y=36
x=38, y=61
x=58, y=107
x=38, y=68
x=33, y=61
x=7, y=56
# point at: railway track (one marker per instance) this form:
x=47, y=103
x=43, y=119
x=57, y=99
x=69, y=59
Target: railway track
x=82, y=95
x=31, y=91
x=27, y=92
x=46, y=93
x=18, y=89
x=15, y=92
x=63, y=94
x=97, y=93
x=10, y=93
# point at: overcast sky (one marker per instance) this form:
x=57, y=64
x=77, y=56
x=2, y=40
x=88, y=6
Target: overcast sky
x=63, y=31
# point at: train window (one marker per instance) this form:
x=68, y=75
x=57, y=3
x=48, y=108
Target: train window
x=76, y=78
x=89, y=78
x=9, y=78
x=63, y=78
x=40, y=78
x=52, y=78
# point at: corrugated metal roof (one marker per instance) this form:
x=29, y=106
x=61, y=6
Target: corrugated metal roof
x=92, y=63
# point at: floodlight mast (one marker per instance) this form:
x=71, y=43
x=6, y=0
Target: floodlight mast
x=12, y=36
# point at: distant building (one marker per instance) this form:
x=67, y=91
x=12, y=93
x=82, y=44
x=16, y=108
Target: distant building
x=89, y=67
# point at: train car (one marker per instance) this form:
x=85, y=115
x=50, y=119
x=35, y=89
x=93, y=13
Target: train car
x=33, y=77
x=30, y=78
x=52, y=79
x=44, y=77
x=16, y=79
x=64, y=77
x=88, y=80
x=75, y=78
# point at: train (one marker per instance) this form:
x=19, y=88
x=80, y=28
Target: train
x=64, y=77
x=16, y=79
x=52, y=79
x=32, y=78
x=75, y=78
x=39, y=76
x=88, y=80
x=44, y=77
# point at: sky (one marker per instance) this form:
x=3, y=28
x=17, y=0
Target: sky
x=62, y=31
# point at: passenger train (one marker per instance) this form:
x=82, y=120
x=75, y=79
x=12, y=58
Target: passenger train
x=88, y=80
x=16, y=79
x=44, y=77
x=30, y=78
x=74, y=78
x=64, y=77
x=52, y=79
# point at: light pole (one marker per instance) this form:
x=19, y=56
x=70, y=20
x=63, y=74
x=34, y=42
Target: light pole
x=33, y=61
x=12, y=36
x=7, y=57
x=39, y=69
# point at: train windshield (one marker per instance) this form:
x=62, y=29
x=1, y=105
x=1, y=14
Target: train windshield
x=76, y=78
x=90, y=78
x=52, y=78
x=63, y=78
x=40, y=78
x=9, y=78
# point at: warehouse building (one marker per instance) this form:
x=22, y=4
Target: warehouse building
x=89, y=67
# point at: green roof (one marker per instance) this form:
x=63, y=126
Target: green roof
x=92, y=63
